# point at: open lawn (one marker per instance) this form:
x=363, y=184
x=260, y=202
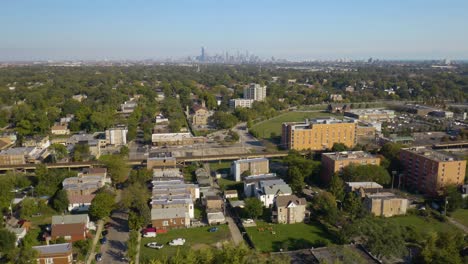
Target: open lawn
x=221, y=167
x=196, y=238
x=287, y=237
x=461, y=215
x=273, y=125
x=423, y=224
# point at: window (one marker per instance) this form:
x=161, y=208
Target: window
x=165, y=223
x=49, y=261
x=67, y=237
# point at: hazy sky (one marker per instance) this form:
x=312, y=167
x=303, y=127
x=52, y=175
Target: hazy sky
x=136, y=29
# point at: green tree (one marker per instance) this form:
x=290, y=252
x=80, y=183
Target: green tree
x=337, y=187
x=338, y=147
x=253, y=207
x=59, y=151
x=117, y=166
x=454, y=198
x=28, y=208
x=368, y=172
x=124, y=151
x=324, y=205
x=60, y=201
x=81, y=152
x=296, y=179
x=5, y=195
x=102, y=205
x=352, y=204
x=7, y=241
x=223, y=120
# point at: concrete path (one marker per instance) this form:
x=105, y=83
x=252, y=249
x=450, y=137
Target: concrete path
x=458, y=224
x=137, y=257
x=235, y=233
x=91, y=255
x=116, y=246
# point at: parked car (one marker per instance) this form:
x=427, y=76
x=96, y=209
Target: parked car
x=213, y=229
x=103, y=240
x=98, y=257
x=149, y=232
x=248, y=221
x=177, y=242
x=104, y=233
x=155, y=245
x=107, y=225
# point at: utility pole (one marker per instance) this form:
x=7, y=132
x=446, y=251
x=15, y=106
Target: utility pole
x=393, y=177
x=445, y=208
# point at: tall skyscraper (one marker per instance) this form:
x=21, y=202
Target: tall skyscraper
x=202, y=56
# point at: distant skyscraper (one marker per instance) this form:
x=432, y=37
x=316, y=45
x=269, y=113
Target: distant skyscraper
x=202, y=56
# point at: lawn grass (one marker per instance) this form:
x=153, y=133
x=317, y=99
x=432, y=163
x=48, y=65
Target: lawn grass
x=423, y=224
x=222, y=167
x=288, y=237
x=461, y=215
x=195, y=238
x=273, y=125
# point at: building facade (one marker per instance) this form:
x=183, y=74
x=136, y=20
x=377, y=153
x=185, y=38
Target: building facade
x=385, y=204
x=56, y=254
x=429, y=171
x=116, y=136
x=334, y=162
x=318, y=134
x=253, y=166
x=289, y=209
x=169, y=218
x=255, y=92
x=240, y=103
x=371, y=115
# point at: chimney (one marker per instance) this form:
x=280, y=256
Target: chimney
x=203, y=103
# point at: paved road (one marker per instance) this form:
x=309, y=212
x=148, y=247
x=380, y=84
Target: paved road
x=116, y=247
x=247, y=140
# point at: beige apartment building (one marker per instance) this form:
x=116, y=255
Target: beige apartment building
x=254, y=166
x=318, y=134
x=429, y=171
x=335, y=161
x=385, y=204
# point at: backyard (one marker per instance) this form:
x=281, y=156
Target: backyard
x=196, y=238
x=265, y=128
x=423, y=224
x=273, y=237
x=461, y=215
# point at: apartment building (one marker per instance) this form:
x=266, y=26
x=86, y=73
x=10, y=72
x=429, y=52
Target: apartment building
x=240, y=103
x=289, y=209
x=335, y=161
x=371, y=115
x=385, y=204
x=318, y=134
x=116, y=136
x=81, y=189
x=255, y=92
x=429, y=171
x=253, y=166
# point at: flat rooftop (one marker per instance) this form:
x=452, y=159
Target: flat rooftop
x=370, y=111
x=320, y=121
x=368, y=185
x=250, y=160
x=432, y=154
x=348, y=155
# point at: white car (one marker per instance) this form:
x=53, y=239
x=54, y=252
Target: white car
x=177, y=242
x=155, y=245
x=149, y=234
x=248, y=221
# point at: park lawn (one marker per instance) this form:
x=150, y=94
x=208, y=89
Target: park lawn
x=265, y=128
x=195, y=238
x=221, y=166
x=288, y=237
x=461, y=215
x=423, y=224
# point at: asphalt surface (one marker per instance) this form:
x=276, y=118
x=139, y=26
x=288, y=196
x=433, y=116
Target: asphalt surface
x=116, y=247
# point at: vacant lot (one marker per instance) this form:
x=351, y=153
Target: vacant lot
x=423, y=224
x=461, y=215
x=266, y=128
x=287, y=237
x=196, y=238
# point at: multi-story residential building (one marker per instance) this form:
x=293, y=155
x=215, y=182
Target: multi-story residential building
x=253, y=166
x=318, y=134
x=169, y=218
x=81, y=189
x=385, y=204
x=266, y=188
x=116, y=136
x=174, y=201
x=335, y=161
x=429, y=171
x=200, y=115
x=363, y=188
x=22, y=155
x=70, y=227
x=255, y=92
x=251, y=182
x=289, y=209
x=128, y=107
x=55, y=253
x=371, y=115
x=240, y=103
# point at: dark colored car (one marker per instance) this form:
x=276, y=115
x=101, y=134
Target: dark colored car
x=107, y=225
x=98, y=257
x=104, y=233
x=103, y=240
x=213, y=229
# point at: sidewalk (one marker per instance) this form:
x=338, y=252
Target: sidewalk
x=95, y=241
x=235, y=233
x=457, y=224
x=137, y=257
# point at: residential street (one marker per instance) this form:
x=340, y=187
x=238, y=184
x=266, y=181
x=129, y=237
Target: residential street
x=115, y=248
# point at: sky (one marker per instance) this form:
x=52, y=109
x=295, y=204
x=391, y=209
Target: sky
x=289, y=29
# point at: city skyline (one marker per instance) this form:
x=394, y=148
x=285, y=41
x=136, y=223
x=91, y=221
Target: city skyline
x=298, y=31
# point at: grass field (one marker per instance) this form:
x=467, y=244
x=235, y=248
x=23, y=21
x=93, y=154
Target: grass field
x=423, y=224
x=461, y=215
x=196, y=238
x=287, y=237
x=265, y=128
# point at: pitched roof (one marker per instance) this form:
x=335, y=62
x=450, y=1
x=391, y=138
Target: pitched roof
x=54, y=249
x=285, y=200
x=60, y=230
x=166, y=213
x=195, y=108
x=87, y=198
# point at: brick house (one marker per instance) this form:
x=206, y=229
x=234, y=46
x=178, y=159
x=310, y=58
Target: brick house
x=70, y=232
x=57, y=254
x=169, y=218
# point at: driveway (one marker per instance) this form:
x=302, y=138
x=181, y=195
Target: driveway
x=117, y=237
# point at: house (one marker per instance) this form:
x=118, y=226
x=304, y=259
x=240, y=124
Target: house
x=363, y=187
x=81, y=189
x=200, y=115
x=336, y=97
x=37, y=141
x=128, y=107
x=5, y=142
x=289, y=209
x=228, y=194
x=116, y=136
x=55, y=253
x=70, y=232
x=73, y=219
x=174, y=201
x=385, y=204
x=79, y=97
x=19, y=232
x=251, y=182
x=215, y=218
x=269, y=190
x=22, y=155
x=60, y=130
x=169, y=218
x=213, y=202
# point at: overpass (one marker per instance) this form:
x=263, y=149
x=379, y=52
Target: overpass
x=453, y=145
